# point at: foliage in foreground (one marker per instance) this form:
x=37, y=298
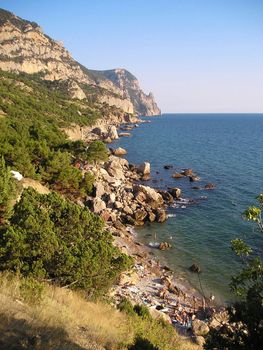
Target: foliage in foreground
x=245, y=331
x=62, y=319
x=49, y=237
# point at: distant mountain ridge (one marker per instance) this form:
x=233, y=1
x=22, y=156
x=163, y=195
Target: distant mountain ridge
x=25, y=48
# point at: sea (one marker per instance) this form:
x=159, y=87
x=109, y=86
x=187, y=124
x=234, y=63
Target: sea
x=223, y=149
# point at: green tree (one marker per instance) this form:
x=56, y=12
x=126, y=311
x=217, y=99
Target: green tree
x=97, y=151
x=245, y=329
x=52, y=238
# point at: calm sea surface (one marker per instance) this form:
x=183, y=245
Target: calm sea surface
x=226, y=150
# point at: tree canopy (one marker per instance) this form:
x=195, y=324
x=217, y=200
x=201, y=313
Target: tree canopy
x=52, y=238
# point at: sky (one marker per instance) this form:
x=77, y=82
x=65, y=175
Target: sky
x=194, y=55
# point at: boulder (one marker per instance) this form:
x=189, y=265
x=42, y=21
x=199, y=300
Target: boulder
x=209, y=186
x=100, y=131
x=194, y=178
x=159, y=315
x=115, y=169
x=122, y=134
x=177, y=176
x=175, y=192
x=98, y=205
x=164, y=246
x=152, y=197
x=140, y=215
x=99, y=189
x=199, y=340
x=195, y=268
x=167, y=197
x=160, y=215
x=118, y=205
x=112, y=133
x=187, y=172
x=119, y=151
x=105, y=215
x=144, y=168
x=151, y=216
x=200, y=328
x=112, y=197
x=127, y=210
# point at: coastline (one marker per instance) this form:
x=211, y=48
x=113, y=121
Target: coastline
x=166, y=294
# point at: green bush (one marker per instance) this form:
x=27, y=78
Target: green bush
x=126, y=306
x=142, y=311
x=97, y=151
x=31, y=290
x=55, y=239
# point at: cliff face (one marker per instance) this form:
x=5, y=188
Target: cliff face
x=25, y=48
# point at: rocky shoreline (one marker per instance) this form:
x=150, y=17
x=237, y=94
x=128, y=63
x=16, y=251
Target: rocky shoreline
x=124, y=203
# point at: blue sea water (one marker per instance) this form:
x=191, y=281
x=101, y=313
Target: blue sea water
x=225, y=149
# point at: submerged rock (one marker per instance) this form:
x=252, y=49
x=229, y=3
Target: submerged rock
x=164, y=246
x=168, y=166
x=210, y=186
x=177, y=176
x=195, y=268
x=187, y=172
x=194, y=178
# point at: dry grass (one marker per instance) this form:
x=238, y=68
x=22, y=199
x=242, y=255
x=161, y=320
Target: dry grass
x=61, y=319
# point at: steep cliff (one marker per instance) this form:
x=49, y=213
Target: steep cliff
x=25, y=48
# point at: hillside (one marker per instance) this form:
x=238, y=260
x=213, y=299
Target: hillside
x=25, y=48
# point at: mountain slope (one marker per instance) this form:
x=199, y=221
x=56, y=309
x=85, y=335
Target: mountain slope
x=25, y=48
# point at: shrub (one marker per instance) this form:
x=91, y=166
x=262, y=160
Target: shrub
x=52, y=238
x=126, y=306
x=97, y=151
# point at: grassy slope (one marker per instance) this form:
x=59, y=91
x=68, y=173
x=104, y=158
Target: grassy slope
x=62, y=319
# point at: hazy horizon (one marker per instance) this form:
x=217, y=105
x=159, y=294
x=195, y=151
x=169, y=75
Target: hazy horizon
x=196, y=57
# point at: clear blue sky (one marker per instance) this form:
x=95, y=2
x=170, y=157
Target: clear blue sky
x=194, y=55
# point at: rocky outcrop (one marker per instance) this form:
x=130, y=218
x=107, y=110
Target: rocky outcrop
x=118, y=199
x=25, y=48
x=129, y=85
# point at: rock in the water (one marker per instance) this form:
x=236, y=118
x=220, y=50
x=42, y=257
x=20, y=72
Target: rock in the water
x=194, y=178
x=167, y=197
x=161, y=215
x=196, y=188
x=210, y=186
x=195, y=268
x=98, y=205
x=119, y=151
x=164, y=246
x=144, y=168
x=200, y=328
x=122, y=134
x=187, y=172
x=177, y=176
x=168, y=166
x=175, y=192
